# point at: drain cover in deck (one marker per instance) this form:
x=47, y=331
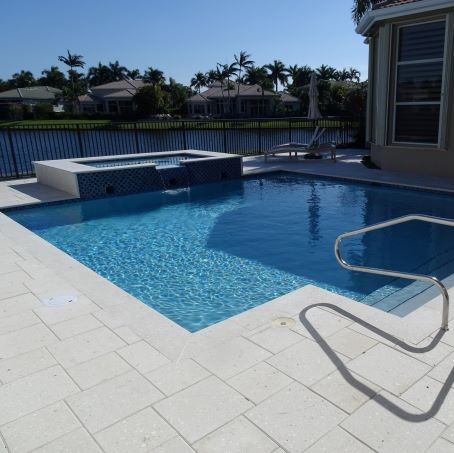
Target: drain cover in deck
x=283, y=322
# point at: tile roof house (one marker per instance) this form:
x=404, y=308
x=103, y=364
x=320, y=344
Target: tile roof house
x=410, y=114
x=114, y=97
x=30, y=95
x=240, y=100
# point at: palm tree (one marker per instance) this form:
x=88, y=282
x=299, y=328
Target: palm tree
x=343, y=75
x=211, y=76
x=229, y=71
x=154, y=76
x=302, y=76
x=133, y=74
x=277, y=73
x=359, y=8
x=325, y=72
x=199, y=81
x=354, y=75
x=22, y=79
x=53, y=77
x=293, y=71
x=258, y=76
x=220, y=76
x=99, y=75
x=72, y=61
x=118, y=72
x=242, y=61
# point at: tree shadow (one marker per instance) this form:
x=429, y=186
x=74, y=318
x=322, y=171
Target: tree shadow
x=363, y=388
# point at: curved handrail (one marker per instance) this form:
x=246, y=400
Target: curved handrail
x=371, y=270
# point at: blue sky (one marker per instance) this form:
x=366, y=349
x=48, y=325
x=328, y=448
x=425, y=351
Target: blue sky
x=180, y=37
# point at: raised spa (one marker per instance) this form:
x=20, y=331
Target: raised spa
x=134, y=173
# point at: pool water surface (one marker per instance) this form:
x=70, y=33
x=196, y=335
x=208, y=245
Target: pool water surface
x=203, y=254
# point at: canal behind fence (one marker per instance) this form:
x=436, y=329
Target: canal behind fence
x=20, y=145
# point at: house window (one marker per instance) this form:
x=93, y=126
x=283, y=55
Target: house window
x=125, y=107
x=88, y=108
x=199, y=109
x=419, y=80
x=113, y=106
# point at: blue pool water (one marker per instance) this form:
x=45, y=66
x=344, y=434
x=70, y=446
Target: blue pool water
x=203, y=254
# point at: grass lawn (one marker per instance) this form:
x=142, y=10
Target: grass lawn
x=277, y=123
x=57, y=123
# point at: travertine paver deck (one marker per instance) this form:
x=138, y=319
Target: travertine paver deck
x=107, y=373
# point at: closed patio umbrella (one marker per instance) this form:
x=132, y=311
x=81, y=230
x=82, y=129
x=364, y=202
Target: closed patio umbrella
x=314, y=111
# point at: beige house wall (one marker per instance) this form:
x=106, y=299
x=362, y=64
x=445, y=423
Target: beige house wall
x=420, y=159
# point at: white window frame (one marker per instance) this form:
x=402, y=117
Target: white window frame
x=440, y=103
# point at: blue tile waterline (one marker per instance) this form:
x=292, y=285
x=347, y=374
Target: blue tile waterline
x=204, y=254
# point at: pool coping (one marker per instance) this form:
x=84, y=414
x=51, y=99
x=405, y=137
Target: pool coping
x=76, y=165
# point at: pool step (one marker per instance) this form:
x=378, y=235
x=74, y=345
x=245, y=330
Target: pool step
x=399, y=291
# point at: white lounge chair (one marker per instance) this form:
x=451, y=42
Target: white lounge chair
x=296, y=148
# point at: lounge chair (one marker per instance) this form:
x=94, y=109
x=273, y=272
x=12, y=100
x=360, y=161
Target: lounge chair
x=294, y=147
x=327, y=146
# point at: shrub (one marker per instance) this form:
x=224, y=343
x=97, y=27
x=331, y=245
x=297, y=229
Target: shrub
x=43, y=111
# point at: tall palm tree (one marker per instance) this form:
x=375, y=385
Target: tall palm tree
x=118, y=72
x=154, y=76
x=242, y=62
x=277, y=73
x=220, y=76
x=199, y=81
x=359, y=8
x=229, y=71
x=23, y=79
x=72, y=61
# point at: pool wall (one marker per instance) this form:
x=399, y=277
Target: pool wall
x=80, y=179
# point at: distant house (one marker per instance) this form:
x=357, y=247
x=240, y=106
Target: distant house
x=290, y=103
x=32, y=96
x=113, y=97
x=411, y=85
x=248, y=101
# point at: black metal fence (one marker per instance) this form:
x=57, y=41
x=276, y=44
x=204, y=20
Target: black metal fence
x=20, y=145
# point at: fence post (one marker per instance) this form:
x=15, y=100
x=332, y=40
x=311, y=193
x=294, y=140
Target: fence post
x=260, y=136
x=225, y=136
x=183, y=128
x=136, y=138
x=79, y=140
x=13, y=153
x=289, y=130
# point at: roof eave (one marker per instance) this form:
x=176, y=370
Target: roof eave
x=377, y=15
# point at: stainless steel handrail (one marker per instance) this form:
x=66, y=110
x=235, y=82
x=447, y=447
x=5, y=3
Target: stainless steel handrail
x=420, y=277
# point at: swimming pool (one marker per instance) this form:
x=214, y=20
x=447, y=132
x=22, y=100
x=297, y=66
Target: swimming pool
x=204, y=254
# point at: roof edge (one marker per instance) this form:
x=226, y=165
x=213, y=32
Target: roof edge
x=374, y=16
